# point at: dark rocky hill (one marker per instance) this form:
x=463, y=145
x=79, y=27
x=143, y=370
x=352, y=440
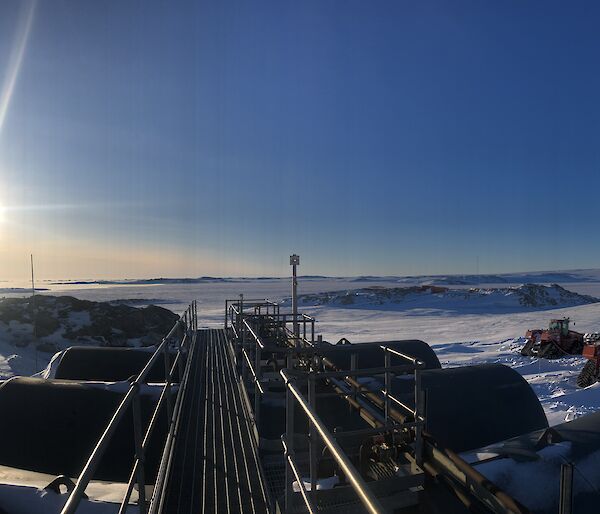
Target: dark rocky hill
x=62, y=321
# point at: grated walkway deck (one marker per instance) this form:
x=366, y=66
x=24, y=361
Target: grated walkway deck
x=215, y=467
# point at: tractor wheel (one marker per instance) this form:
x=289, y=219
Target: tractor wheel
x=588, y=375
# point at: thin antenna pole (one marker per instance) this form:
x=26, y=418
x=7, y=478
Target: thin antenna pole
x=295, y=261
x=33, y=298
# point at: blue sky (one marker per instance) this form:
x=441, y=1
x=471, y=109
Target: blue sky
x=193, y=138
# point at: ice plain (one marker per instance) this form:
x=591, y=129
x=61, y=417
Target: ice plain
x=462, y=333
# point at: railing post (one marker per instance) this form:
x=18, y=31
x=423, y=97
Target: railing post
x=168, y=386
x=180, y=341
x=195, y=315
x=312, y=436
x=312, y=331
x=257, y=372
x=289, y=437
x=388, y=383
x=419, y=409
x=566, y=489
x=353, y=359
x=243, y=349
x=139, y=450
x=295, y=262
x=240, y=318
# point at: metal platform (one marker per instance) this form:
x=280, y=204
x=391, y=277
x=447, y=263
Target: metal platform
x=215, y=466
x=262, y=414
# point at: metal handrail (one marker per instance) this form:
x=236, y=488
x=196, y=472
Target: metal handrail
x=251, y=367
x=248, y=301
x=156, y=502
x=189, y=320
x=286, y=315
x=367, y=498
x=416, y=362
x=254, y=335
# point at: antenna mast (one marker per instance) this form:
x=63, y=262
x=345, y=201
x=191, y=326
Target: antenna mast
x=294, y=262
x=33, y=298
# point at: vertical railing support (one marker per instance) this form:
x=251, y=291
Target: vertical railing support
x=240, y=318
x=257, y=371
x=388, y=383
x=294, y=262
x=566, y=489
x=353, y=362
x=180, y=364
x=168, y=386
x=289, y=437
x=139, y=450
x=419, y=410
x=243, y=349
x=195, y=304
x=312, y=436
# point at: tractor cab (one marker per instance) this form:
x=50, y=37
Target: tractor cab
x=560, y=325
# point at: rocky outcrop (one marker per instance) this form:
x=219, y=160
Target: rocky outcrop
x=524, y=297
x=64, y=320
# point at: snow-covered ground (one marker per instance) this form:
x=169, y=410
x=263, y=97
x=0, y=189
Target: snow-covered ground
x=463, y=333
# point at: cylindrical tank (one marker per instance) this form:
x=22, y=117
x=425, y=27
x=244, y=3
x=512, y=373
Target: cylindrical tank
x=106, y=364
x=473, y=406
x=52, y=426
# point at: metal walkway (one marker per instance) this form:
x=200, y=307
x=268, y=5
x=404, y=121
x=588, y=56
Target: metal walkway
x=353, y=435
x=215, y=467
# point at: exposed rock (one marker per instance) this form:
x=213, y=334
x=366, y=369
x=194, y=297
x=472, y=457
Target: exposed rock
x=68, y=320
x=527, y=296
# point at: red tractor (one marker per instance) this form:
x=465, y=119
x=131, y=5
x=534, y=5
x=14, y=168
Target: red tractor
x=553, y=342
x=591, y=351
